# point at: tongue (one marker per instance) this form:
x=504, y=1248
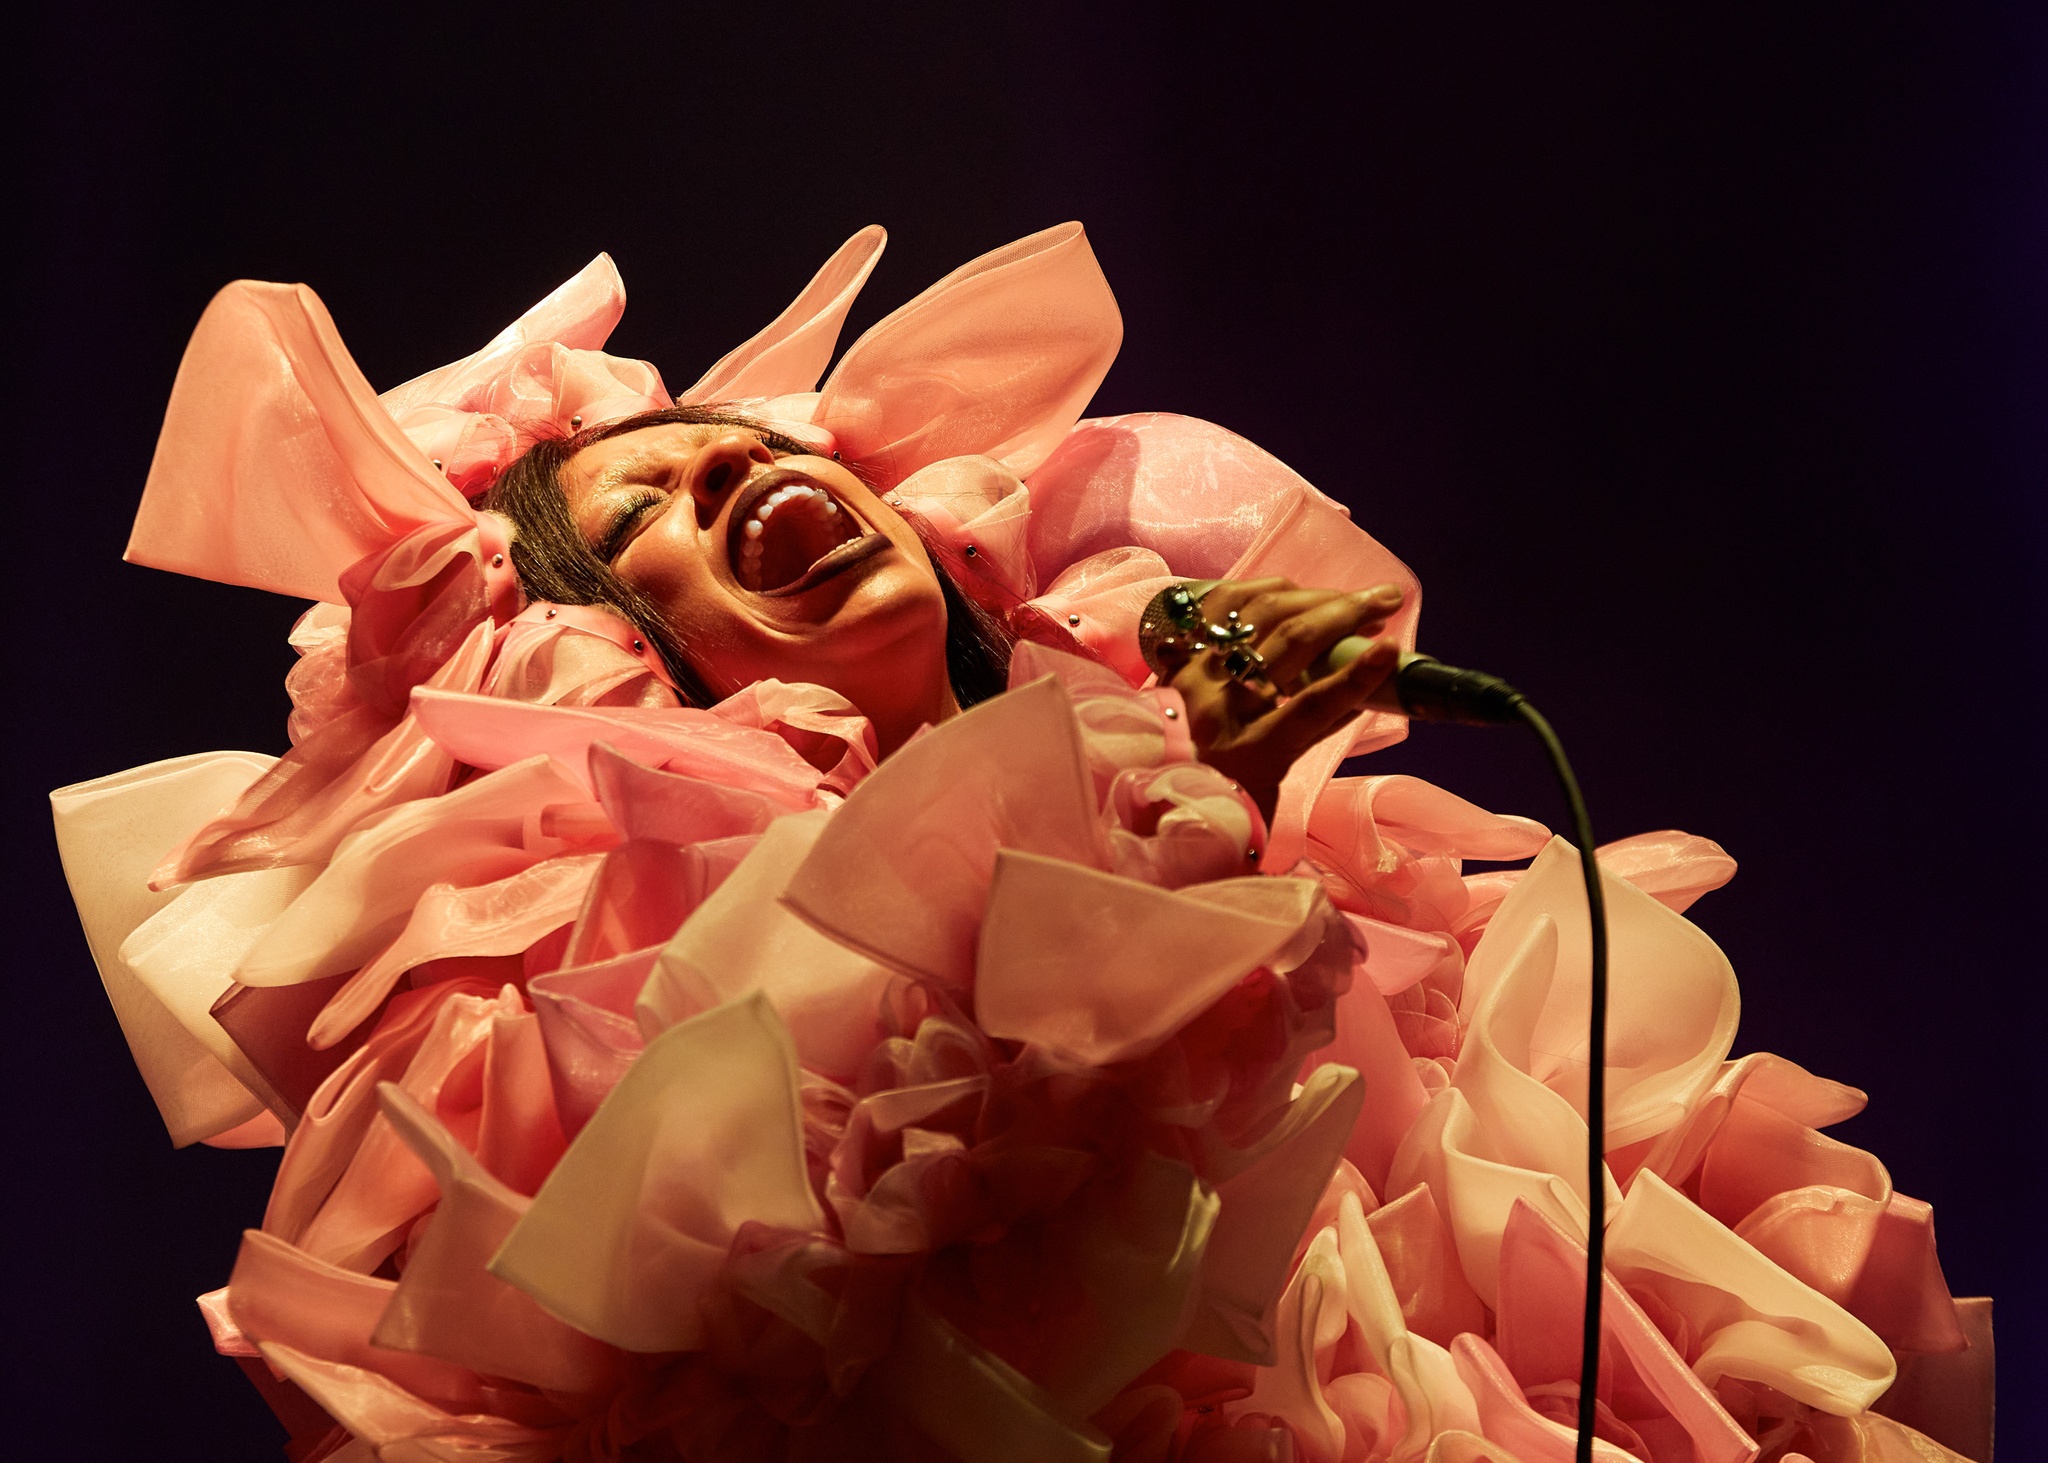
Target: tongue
x=795, y=536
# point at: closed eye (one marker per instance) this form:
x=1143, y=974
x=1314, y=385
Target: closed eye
x=624, y=521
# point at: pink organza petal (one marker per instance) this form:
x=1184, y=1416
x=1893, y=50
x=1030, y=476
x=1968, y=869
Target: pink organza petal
x=577, y=655
x=1107, y=593
x=1758, y=1153
x=184, y=955
x=1772, y=1082
x=1499, y=1135
x=1356, y=818
x=482, y=832
x=1743, y=1316
x=1873, y=1256
x=488, y=732
x=702, y=1135
x=340, y=1113
x=1643, y=1382
x=1203, y=828
x=1431, y=1398
x=228, y=1338
x=813, y=721
x=1871, y=1438
x=448, y=1305
x=1135, y=1261
x=973, y=501
x=902, y=870
x=1484, y=895
x=999, y=358
x=1097, y=969
x=402, y=1426
x=1673, y=868
x=1448, y=1150
x=110, y=833
x=382, y=1189
x=1951, y=1396
x=518, y=1132
x=280, y=1294
x=1268, y=1191
x=580, y=314
x=643, y=892
x=960, y=1396
x=327, y=786
x=1673, y=1004
x=742, y=939
x=586, y=1021
x=1506, y=1417
x=1367, y=1042
x=1310, y=1321
x=1396, y=957
x=1421, y=1262
x=266, y=380
x=792, y=351
x=672, y=807
x=262, y=1131
x=503, y=917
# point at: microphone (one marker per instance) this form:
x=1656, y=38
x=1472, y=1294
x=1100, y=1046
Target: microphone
x=1423, y=688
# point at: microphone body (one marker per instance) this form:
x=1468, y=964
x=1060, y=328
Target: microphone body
x=1423, y=688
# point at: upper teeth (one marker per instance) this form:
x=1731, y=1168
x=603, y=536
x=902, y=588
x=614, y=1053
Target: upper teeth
x=756, y=523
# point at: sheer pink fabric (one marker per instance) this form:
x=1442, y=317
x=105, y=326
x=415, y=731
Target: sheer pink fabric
x=663, y=1081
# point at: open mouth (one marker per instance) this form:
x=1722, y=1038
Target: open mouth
x=788, y=533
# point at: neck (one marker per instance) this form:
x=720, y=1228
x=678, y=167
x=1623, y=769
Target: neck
x=896, y=715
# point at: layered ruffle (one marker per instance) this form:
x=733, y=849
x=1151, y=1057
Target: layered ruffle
x=663, y=1081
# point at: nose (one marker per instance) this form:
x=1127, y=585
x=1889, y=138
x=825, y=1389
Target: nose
x=721, y=465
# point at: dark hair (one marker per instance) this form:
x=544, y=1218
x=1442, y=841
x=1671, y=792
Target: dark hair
x=557, y=566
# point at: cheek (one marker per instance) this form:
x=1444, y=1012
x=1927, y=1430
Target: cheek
x=671, y=571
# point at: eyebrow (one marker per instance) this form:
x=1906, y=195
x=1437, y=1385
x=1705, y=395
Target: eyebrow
x=624, y=474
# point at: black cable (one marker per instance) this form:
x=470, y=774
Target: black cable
x=1596, y=1075
x=1425, y=689
x=1429, y=690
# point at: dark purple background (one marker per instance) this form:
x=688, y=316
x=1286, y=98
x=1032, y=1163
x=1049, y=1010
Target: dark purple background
x=1695, y=356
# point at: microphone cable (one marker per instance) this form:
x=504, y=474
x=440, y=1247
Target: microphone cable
x=1432, y=691
x=1428, y=690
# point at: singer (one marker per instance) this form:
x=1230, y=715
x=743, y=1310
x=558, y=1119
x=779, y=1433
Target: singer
x=821, y=921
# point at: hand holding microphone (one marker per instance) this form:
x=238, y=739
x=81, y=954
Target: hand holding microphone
x=1271, y=632
x=1267, y=670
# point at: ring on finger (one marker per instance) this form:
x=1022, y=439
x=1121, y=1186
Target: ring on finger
x=1232, y=641
x=1243, y=664
x=1173, y=621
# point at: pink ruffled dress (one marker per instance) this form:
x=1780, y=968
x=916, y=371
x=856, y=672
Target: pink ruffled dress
x=647, y=1092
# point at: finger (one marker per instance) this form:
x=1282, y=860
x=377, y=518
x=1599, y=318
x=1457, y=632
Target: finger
x=1219, y=704
x=1268, y=609
x=1323, y=705
x=1235, y=594
x=1205, y=690
x=1172, y=654
x=1248, y=700
x=1295, y=644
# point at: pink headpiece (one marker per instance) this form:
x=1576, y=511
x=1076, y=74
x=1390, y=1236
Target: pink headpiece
x=280, y=468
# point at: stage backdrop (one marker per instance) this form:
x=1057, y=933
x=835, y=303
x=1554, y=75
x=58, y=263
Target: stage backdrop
x=1693, y=355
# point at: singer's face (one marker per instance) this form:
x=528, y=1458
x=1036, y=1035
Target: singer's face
x=766, y=564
